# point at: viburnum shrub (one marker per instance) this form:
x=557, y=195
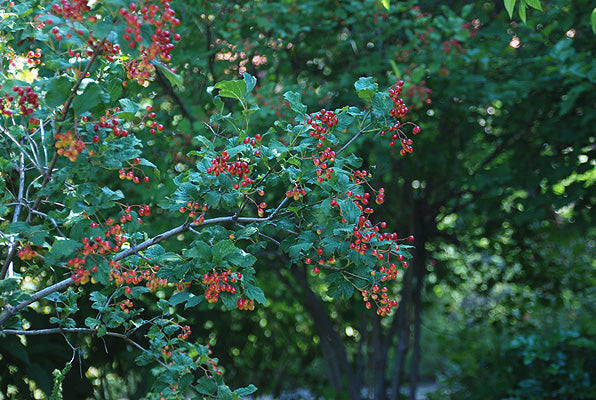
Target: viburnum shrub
x=75, y=128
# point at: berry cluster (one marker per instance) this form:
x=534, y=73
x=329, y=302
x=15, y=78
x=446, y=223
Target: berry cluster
x=144, y=210
x=321, y=259
x=217, y=283
x=27, y=101
x=321, y=123
x=128, y=173
x=381, y=298
x=26, y=253
x=185, y=332
x=359, y=177
x=453, y=44
x=245, y=304
x=261, y=209
x=297, y=192
x=220, y=165
x=252, y=141
x=72, y=10
x=68, y=145
x=161, y=19
x=126, y=305
x=33, y=57
x=323, y=161
x=110, y=122
x=399, y=109
x=135, y=277
x=195, y=212
x=420, y=91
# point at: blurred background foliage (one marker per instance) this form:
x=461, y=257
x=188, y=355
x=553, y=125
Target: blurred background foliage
x=499, y=193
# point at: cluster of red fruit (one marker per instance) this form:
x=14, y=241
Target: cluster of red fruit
x=359, y=177
x=27, y=101
x=110, y=122
x=245, y=304
x=161, y=19
x=33, y=57
x=128, y=173
x=195, y=212
x=420, y=91
x=144, y=210
x=321, y=123
x=68, y=145
x=219, y=165
x=126, y=305
x=135, y=277
x=26, y=253
x=252, y=141
x=152, y=125
x=321, y=259
x=453, y=44
x=296, y=193
x=185, y=332
x=381, y=298
x=217, y=283
x=72, y=10
x=322, y=162
x=399, y=110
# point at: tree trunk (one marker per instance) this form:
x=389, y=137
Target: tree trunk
x=340, y=372
x=402, y=323
x=420, y=272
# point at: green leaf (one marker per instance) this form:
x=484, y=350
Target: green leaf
x=175, y=79
x=386, y=4
x=60, y=250
x=522, y=10
x=366, y=88
x=58, y=89
x=254, y=293
x=509, y=5
x=194, y=301
x=295, y=100
x=221, y=249
x=593, y=20
x=534, y=4
x=245, y=391
x=179, y=297
x=250, y=82
x=349, y=210
x=89, y=99
x=233, y=89
x=103, y=270
x=382, y=104
x=111, y=195
x=206, y=386
x=224, y=393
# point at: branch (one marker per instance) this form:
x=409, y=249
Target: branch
x=10, y=311
x=12, y=248
x=345, y=146
x=48, y=174
x=37, y=332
